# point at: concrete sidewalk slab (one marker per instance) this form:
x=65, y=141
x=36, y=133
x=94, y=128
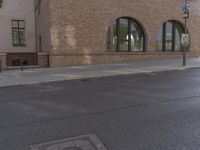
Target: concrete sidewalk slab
x=42, y=75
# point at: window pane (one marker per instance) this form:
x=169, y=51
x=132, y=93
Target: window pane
x=15, y=37
x=22, y=37
x=137, y=37
x=123, y=34
x=177, y=41
x=112, y=37
x=178, y=31
x=159, y=39
x=168, y=36
x=14, y=24
x=21, y=24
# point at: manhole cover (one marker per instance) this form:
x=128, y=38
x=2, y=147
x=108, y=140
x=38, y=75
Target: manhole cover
x=84, y=142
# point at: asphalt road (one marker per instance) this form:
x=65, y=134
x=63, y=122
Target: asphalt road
x=154, y=111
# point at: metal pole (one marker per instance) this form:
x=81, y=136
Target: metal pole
x=185, y=46
x=22, y=64
x=0, y=66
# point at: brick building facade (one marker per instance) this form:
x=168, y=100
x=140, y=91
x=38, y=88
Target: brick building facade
x=77, y=32
x=94, y=31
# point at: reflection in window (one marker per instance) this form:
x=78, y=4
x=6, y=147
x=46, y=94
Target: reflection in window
x=159, y=39
x=125, y=34
x=112, y=36
x=168, y=37
x=169, y=40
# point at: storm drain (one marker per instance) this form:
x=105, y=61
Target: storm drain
x=84, y=142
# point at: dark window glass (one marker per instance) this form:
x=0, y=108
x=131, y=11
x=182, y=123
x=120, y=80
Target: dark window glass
x=168, y=37
x=112, y=36
x=159, y=39
x=125, y=34
x=178, y=31
x=18, y=32
x=137, y=37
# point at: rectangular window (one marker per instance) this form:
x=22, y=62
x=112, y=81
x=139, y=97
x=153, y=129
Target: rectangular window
x=18, y=33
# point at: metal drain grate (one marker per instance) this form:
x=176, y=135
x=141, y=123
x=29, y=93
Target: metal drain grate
x=84, y=142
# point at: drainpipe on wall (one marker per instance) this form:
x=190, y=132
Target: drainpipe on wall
x=35, y=34
x=1, y=1
x=0, y=66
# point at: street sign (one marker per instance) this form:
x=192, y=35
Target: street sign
x=185, y=15
x=184, y=8
x=186, y=11
x=185, y=39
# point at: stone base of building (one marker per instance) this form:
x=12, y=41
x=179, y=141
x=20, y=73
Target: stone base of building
x=29, y=59
x=3, y=63
x=43, y=59
x=62, y=60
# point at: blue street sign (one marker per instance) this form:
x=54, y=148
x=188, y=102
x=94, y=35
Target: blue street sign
x=184, y=7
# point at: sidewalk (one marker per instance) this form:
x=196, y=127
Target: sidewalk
x=42, y=75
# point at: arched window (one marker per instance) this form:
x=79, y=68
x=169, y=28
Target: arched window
x=124, y=35
x=168, y=37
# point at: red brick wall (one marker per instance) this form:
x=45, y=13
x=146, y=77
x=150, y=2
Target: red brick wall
x=80, y=26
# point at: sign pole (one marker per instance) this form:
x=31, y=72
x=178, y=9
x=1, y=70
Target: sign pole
x=185, y=45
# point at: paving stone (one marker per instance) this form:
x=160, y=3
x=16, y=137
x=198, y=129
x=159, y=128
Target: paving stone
x=35, y=76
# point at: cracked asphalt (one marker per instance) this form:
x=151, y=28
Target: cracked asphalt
x=148, y=111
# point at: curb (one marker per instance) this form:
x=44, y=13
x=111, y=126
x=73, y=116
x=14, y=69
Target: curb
x=93, y=77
